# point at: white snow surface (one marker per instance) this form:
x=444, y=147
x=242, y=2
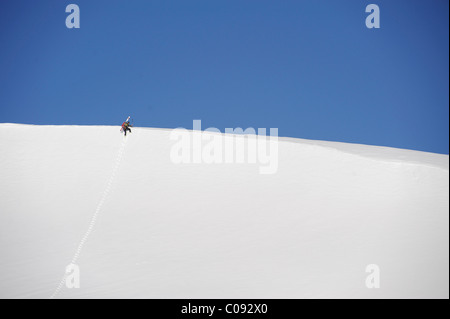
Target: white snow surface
x=140, y=226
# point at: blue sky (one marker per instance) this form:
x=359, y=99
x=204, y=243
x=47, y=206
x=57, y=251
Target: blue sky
x=310, y=68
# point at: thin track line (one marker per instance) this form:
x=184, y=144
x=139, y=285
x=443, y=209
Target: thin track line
x=95, y=216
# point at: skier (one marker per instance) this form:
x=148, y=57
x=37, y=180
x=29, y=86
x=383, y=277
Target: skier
x=126, y=126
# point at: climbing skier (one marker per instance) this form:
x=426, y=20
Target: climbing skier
x=126, y=126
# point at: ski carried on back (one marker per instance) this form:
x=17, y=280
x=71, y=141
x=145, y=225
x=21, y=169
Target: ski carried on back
x=126, y=126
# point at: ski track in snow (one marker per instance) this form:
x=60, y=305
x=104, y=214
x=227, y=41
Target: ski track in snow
x=95, y=216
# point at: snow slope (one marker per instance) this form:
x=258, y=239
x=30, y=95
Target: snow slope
x=140, y=226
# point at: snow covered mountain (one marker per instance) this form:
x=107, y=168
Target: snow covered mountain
x=138, y=225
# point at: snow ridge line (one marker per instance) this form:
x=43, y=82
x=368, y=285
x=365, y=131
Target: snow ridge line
x=95, y=216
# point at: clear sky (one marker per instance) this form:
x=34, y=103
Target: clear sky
x=310, y=68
